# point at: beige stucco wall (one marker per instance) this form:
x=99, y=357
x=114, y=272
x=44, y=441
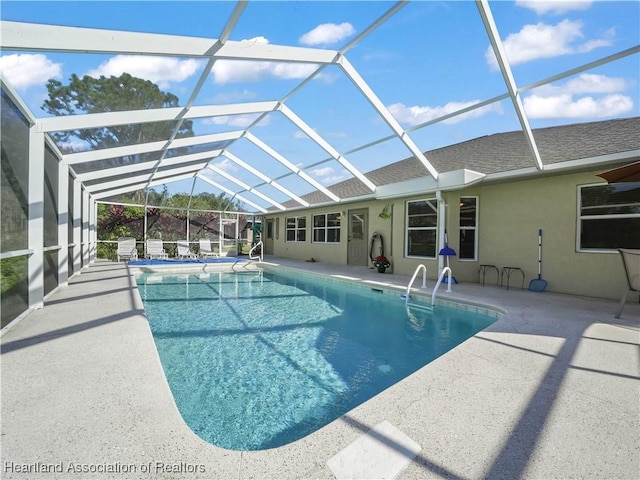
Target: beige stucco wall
x=509, y=218
x=510, y=215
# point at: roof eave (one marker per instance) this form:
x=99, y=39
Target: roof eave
x=453, y=180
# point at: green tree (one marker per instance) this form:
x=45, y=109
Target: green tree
x=204, y=201
x=113, y=94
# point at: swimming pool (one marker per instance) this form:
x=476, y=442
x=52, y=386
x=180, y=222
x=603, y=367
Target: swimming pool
x=256, y=360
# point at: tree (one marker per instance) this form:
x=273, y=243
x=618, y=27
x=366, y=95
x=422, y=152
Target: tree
x=96, y=95
x=113, y=94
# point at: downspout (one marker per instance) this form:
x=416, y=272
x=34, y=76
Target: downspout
x=442, y=226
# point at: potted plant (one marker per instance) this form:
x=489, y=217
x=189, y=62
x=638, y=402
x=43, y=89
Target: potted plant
x=381, y=263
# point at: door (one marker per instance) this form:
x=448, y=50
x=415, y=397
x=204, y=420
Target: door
x=357, y=249
x=267, y=237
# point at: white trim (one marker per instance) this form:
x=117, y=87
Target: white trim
x=264, y=178
x=35, y=227
x=16, y=99
x=148, y=165
x=386, y=115
x=232, y=193
x=233, y=179
x=326, y=228
x=16, y=253
x=505, y=69
x=476, y=230
x=77, y=226
x=295, y=229
x=263, y=146
x=34, y=37
x=580, y=218
x=63, y=222
x=435, y=229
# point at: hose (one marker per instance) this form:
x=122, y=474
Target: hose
x=376, y=236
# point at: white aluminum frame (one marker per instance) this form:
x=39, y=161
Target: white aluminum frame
x=29, y=37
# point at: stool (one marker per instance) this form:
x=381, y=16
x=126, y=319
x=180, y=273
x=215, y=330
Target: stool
x=508, y=271
x=482, y=272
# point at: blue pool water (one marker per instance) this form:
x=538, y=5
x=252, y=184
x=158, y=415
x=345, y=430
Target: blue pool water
x=256, y=361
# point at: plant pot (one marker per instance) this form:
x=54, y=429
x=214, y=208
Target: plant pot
x=381, y=268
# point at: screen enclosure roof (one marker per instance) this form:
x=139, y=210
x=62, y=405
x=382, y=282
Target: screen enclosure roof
x=285, y=99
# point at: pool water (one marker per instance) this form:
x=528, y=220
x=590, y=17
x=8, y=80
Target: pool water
x=257, y=360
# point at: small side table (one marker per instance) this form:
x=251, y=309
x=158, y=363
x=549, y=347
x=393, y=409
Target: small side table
x=482, y=272
x=508, y=271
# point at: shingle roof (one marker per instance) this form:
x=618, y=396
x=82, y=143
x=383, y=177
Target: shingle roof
x=502, y=152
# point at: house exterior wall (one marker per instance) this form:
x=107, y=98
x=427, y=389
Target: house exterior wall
x=509, y=216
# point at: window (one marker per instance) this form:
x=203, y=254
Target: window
x=326, y=228
x=609, y=216
x=422, y=222
x=296, y=229
x=270, y=229
x=468, y=248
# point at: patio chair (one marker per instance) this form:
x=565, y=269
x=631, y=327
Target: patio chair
x=631, y=263
x=155, y=249
x=127, y=248
x=184, y=251
x=205, y=249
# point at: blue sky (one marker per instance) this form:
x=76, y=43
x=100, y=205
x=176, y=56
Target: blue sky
x=429, y=59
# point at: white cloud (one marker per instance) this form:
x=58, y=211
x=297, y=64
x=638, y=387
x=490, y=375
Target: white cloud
x=417, y=114
x=300, y=135
x=328, y=176
x=226, y=166
x=336, y=134
x=25, y=70
x=577, y=98
x=160, y=70
x=327, y=34
x=557, y=7
x=229, y=71
x=322, y=172
x=234, y=96
x=564, y=106
x=237, y=120
x=585, y=83
x=598, y=42
x=546, y=41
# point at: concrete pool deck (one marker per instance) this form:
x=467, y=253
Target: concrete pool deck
x=551, y=390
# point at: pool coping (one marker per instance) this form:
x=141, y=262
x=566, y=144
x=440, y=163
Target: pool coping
x=538, y=381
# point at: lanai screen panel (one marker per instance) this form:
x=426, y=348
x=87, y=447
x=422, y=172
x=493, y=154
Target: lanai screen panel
x=204, y=225
x=14, y=184
x=105, y=167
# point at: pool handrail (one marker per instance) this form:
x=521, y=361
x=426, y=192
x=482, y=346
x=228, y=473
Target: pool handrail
x=259, y=257
x=435, y=289
x=415, y=274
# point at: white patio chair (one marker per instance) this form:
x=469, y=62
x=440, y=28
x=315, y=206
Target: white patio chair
x=127, y=248
x=184, y=251
x=155, y=249
x=631, y=263
x=205, y=249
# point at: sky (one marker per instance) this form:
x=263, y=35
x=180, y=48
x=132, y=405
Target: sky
x=429, y=59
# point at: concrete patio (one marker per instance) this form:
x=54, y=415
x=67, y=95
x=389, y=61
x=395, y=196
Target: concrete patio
x=551, y=390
